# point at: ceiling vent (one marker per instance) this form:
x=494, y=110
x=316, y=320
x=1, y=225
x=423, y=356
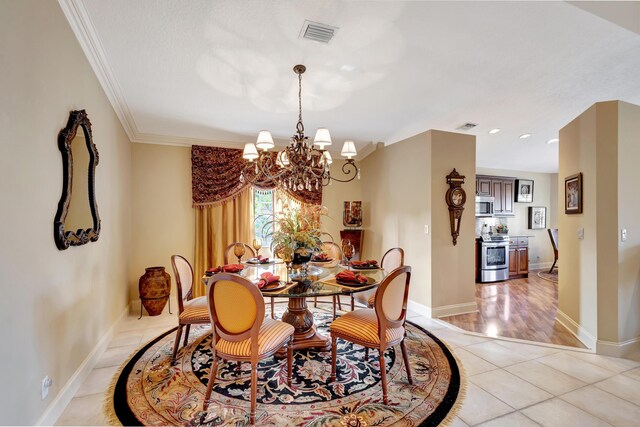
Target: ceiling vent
x=321, y=33
x=467, y=126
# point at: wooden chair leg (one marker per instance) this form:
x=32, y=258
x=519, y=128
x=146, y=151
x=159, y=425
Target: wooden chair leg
x=238, y=367
x=383, y=376
x=334, y=351
x=334, y=307
x=212, y=379
x=405, y=356
x=339, y=303
x=273, y=312
x=366, y=353
x=254, y=393
x=186, y=335
x=176, y=344
x=289, y=361
x=315, y=302
x=353, y=303
x=554, y=264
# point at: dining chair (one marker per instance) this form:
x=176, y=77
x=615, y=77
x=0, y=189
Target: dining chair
x=553, y=235
x=191, y=311
x=381, y=327
x=391, y=260
x=229, y=256
x=240, y=330
x=334, y=251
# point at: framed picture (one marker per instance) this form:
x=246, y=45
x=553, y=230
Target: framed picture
x=524, y=190
x=537, y=217
x=573, y=194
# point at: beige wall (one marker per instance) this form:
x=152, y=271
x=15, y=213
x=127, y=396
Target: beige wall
x=403, y=188
x=628, y=218
x=599, y=284
x=56, y=305
x=540, y=249
x=334, y=196
x=452, y=267
x=163, y=219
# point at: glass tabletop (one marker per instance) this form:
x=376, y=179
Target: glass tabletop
x=320, y=281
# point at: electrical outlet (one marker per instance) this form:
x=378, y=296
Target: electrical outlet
x=46, y=384
x=623, y=235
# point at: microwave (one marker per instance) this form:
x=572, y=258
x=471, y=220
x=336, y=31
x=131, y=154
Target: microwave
x=484, y=206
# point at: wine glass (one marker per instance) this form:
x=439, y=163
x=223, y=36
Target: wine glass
x=257, y=244
x=347, y=250
x=239, y=250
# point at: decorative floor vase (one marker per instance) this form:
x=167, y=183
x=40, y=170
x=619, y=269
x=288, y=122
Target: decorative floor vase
x=154, y=286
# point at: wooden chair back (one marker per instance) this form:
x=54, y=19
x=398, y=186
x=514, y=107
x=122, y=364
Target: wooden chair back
x=236, y=308
x=553, y=235
x=391, y=300
x=184, y=279
x=392, y=259
x=229, y=256
x=334, y=251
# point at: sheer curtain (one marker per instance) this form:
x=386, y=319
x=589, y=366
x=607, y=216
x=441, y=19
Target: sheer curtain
x=216, y=228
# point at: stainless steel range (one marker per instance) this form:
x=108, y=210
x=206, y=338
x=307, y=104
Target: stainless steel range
x=494, y=258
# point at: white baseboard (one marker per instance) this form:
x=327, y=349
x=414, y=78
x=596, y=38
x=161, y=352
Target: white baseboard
x=419, y=308
x=64, y=396
x=618, y=349
x=577, y=330
x=452, y=310
x=540, y=266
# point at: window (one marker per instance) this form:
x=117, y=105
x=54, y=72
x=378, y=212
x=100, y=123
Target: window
x=263, y=208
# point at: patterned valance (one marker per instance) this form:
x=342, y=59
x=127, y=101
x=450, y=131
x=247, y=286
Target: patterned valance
x=215, y=177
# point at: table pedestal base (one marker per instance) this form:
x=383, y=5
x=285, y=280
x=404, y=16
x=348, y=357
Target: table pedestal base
x=305, y=335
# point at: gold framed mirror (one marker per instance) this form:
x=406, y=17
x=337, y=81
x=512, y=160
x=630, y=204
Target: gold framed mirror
x=77, y=221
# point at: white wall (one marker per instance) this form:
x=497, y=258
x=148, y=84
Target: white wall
x=56, y=305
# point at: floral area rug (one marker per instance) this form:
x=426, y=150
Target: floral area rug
x=149, y=390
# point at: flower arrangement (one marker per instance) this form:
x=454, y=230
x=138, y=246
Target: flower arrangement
x=297, y=230
x=502, y=228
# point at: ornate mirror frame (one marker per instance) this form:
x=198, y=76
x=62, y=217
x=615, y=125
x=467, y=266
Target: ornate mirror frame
x=64, y=238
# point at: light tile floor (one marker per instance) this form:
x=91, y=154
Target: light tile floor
x=508, y=383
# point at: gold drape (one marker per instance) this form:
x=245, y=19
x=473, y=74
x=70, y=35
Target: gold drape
x=216, y=228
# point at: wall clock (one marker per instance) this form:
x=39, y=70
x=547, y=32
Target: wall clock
x=456, y=198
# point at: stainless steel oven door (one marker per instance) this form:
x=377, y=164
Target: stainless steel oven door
x=495, y=256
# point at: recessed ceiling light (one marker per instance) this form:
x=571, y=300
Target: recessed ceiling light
x=553, y=141
x=525, y=135
x=493, y=131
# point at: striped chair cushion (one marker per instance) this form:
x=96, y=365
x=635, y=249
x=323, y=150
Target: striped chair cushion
x=195, y=314
x=362, y=325
x=273, y=334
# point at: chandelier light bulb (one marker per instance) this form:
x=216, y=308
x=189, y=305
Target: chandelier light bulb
x=250, y=152
x=265, y=141
x=349, y=149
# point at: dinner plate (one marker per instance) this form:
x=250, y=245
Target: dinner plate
x=370, y=281
x=322, y=260
x=256, y=262
x=272, y=287
x=369, y=267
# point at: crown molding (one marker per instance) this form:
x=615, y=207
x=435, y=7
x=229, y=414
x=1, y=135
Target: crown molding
x=84, y=30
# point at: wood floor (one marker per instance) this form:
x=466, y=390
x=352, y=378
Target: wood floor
x=519, y=308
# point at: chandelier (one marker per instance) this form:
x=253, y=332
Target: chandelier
x=301, y=165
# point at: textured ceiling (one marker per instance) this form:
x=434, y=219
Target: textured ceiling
x=216, y=72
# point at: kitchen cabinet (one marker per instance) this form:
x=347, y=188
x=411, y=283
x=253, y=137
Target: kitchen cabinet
x=501, y=189
x=518, y=257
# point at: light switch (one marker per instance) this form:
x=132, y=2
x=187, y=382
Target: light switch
x=623, y=235
x=581, y=233
x=426, y=229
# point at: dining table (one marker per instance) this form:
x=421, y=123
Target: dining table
x=296, y=285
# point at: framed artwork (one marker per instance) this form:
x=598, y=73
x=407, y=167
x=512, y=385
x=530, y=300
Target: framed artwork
x=352, y=214
x=455, y=198
x=537, y=217
x=573, y=194
x=524, y=190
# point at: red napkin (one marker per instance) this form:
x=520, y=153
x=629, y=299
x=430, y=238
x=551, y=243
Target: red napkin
x=350, y=276
x=263, y=260
x=321, y=256
x=229, y=268
x=267, y=278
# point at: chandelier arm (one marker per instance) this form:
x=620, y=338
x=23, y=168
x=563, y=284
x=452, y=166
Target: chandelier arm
x=348, y=168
